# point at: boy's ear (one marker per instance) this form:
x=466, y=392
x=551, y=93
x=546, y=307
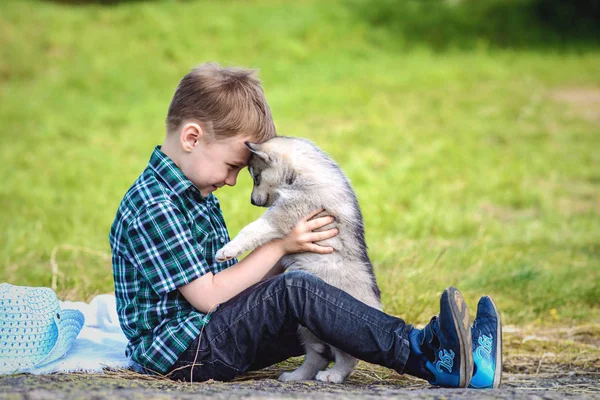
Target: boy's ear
x=256, y=149
x=190, y=136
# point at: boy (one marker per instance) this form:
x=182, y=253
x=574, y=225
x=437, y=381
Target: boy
x=191, y=318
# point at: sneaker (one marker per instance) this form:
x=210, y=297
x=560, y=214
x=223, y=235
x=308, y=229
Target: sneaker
x=487, y=346
x=443, y=348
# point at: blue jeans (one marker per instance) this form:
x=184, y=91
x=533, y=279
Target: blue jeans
x=257, y=328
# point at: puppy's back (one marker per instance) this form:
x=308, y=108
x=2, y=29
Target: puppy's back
x=324, y=185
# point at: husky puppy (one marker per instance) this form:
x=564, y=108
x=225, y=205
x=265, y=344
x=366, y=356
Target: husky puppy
x=293, y=177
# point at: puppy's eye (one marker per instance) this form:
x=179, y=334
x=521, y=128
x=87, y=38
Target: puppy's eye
x=255, y=178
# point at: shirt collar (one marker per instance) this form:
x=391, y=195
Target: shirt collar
x=169, y=172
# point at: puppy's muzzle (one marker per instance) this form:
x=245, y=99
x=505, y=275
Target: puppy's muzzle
x=259, y=202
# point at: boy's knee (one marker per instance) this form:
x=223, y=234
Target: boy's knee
x=301, y=279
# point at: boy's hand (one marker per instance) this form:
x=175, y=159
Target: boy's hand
x=302, y=238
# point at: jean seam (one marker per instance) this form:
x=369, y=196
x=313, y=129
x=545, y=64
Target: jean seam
x=404, y=354
x=348, y=311
x=217, y=360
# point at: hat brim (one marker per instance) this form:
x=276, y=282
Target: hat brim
x=69, y=324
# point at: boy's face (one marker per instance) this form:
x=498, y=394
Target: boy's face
x=211, y=164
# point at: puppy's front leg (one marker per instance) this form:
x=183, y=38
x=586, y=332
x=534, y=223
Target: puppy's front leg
x=250, y=237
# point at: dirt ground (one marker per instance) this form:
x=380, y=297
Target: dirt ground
x=539, y=364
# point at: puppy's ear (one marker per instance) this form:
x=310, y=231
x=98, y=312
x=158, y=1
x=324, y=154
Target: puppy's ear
x=256, y=149
x=290, y=177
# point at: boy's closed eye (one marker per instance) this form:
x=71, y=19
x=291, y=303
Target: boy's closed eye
x=235, y=166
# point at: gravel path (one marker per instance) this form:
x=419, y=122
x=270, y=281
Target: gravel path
x=81, y=386
x=553, y=363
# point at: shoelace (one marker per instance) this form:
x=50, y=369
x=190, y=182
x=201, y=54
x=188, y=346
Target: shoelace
x=485, y=345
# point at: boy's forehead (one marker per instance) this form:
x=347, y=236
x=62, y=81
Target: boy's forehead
x=239, y=154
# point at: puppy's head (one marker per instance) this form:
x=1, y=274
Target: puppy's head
x=271, y=169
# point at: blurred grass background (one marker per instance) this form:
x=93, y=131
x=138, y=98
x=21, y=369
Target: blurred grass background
x=469, y=129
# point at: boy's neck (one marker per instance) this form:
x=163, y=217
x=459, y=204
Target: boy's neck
x=171, y=150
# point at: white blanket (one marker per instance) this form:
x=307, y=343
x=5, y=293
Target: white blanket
x=101, y=343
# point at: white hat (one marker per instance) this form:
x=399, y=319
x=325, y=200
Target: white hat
x=33, y=329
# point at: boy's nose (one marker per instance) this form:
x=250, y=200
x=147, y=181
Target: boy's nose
x=231, y=179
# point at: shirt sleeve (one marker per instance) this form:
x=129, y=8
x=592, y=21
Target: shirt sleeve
x=164, y=248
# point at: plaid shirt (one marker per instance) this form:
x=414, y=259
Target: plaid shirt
x=164, y=236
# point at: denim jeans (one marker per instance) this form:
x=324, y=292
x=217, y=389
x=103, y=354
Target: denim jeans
x=257, y=328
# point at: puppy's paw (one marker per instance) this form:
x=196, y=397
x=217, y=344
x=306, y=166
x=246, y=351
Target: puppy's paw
x=286, y=377
x=295, y=375
x=331, y=376
x=228, y=252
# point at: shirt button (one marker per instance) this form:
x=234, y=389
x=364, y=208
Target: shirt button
x=222, y=240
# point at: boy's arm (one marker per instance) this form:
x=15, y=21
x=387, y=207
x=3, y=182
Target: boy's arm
x=276, y=270
x=206, y=292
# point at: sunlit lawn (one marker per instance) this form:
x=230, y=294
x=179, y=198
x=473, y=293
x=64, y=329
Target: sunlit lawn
x=469, y=168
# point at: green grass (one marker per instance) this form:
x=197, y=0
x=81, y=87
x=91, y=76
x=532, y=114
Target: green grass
x=468, y=171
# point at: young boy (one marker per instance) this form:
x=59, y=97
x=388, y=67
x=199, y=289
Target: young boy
x=190, y=318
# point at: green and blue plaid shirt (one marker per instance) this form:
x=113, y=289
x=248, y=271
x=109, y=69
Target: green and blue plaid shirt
x=164, y=236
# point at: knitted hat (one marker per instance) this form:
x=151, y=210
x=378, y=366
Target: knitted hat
x=33, y=329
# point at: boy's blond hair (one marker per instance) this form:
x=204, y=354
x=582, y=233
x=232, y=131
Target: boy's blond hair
x=225, y=102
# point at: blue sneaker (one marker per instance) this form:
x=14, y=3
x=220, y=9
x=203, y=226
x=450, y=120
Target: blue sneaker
x=487, y=346
x=442, y=352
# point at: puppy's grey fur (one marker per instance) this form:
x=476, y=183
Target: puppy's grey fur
x=293, y=177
